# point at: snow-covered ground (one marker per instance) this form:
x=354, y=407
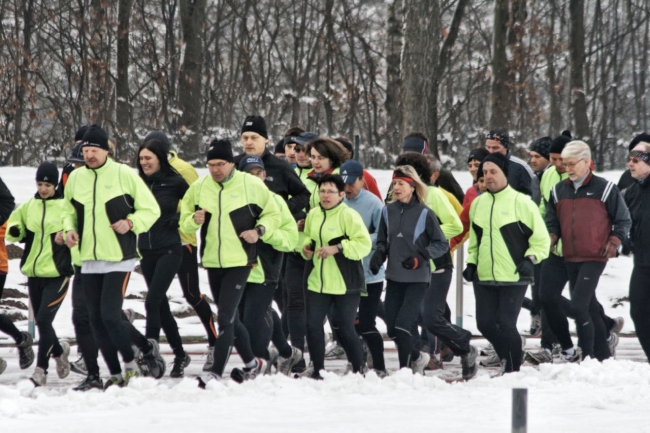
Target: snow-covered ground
x=592, y=397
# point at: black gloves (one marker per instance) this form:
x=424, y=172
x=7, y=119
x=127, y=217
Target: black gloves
x=470, y=272
x=376, y=261
x=14, y=231
x=414, y=262
x=526, y=269
x=627, y=247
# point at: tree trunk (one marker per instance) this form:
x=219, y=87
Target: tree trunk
x=577, y=61
x=393, y=80
x=28, y=20
x=123, y=113
x=500, y=101
x=555, y=124
x=192, y=14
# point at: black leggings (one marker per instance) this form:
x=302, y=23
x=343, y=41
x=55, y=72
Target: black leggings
x=46, y=296
x=402, y=305
x=188, y=276
x=104, y=298
x=86, y=344
x=640, y=305
x=344, y=312
x=295, y=309
x=497, y=310
x=159, y=268
x=433, y=314
x=6, y=325
x=368, y=307
x=254, y=314
x=227, y=286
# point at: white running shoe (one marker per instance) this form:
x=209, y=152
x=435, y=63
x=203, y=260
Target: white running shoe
x=420, y=364
x=62, y=362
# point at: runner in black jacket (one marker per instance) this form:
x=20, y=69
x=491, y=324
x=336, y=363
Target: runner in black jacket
x=161, y=247
x=637, y=198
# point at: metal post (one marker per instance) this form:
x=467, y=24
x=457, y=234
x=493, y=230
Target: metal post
x=356, y=148
x=460, y=261
x=519, y=410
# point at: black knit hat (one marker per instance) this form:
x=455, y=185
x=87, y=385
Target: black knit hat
x=279, y=146
x=160, y=136
x=220, y=149
x=645, y=137
x=77, y=154
x=557, y=146
x=255, y=124
x=95, y=136
x=497, y=158
x=541, y=146
x=47, y=172
x=79, y=135
x=477, y=154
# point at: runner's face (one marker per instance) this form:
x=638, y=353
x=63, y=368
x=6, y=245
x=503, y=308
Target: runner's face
x=94, y=157
x=149, y=162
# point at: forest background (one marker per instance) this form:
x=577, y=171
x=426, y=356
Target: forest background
x=373, y=68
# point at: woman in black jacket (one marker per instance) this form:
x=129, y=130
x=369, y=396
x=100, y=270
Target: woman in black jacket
x=161, y=247
x=409, y=236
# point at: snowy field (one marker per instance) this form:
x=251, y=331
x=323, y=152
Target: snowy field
x=592, y=397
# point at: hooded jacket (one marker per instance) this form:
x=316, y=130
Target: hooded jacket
x=241, y=202
x=37, y=222
x=168, y=189
x=95, y=198
x=341, y=273
x=407, y=229
x=506, y=228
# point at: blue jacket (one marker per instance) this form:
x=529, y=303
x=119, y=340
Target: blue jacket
x=369, y=207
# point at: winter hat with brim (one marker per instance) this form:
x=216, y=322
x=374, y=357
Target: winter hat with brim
x=47, y=172
x=160, y=136
x=497, y=158
x=541, y=146
x=79, y=135
x=302, y=139
x=643, y=137
x=250, y=162
x=95, y=136
x=477, y=154
x=557, y=146
x=77, y=154
x=255, y=124
x=351, y=170
x=499, y=135
x=415, y=144
x=220, y=149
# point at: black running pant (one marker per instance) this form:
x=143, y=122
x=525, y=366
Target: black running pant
x=254, y=308
x=433, y=314
x=278, y=337
x=104, y=298
x=497, y=310
x=227, y=286
x=402, y=305
x=188, y=277
x=344, y=311
x=86, y=344
x=367, y=327
x=6, y=325
x=46, y=296
x=592, y=331
x=640, y=305
x=296, y=295
x=159, y=268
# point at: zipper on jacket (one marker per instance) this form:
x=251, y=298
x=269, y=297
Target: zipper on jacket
x=42, y=237
x=149, y=232
x=494, y=199
x=94, y=220
x=219, y=227
x=322, y=261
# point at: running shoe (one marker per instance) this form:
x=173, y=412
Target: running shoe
x=286, y=364
x=178, y=366
x=468, y=363
x=209, y=361
x=90, y=382
x=39, y=378
x=419, y=364
x=544, y=356
x=62, y=362
x=25, y=352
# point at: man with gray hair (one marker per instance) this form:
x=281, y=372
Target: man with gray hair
x=586, y=248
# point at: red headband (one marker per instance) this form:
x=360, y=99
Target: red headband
x=401, y=176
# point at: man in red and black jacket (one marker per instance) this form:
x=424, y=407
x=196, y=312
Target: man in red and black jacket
x=589, y=215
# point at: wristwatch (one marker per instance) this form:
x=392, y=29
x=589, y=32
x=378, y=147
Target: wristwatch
x=130, y=224
x=260, y=230
x=340, y=247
